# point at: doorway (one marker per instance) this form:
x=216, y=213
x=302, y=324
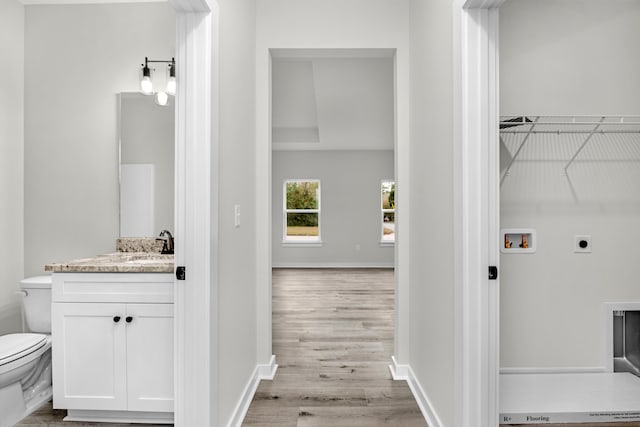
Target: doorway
x=333, y=161
x=572, y=187
x=335, y=135
x=396, y=150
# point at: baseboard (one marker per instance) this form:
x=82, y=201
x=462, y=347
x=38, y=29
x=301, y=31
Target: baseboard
x=268, y=371
x=398, y=372
x=401, y=372
x=563, y=370
x=261, y=372
x=333, y=265
x=128, y=417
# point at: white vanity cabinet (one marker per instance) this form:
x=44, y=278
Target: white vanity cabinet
x=113, y=346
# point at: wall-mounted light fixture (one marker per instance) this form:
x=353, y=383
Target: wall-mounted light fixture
x=146, y=82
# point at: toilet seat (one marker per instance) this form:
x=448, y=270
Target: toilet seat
x=17, y=346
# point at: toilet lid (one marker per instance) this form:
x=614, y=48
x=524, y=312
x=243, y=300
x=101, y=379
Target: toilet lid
x=37, y=282
x=15, y=346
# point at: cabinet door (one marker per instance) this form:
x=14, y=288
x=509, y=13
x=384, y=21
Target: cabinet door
x=89, y=356
x=150, y=357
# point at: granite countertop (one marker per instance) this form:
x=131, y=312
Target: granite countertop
x=117, y=262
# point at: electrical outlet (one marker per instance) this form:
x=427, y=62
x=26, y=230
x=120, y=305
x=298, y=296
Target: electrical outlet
x=582, y=244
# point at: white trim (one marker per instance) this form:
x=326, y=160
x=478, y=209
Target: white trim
x=196, y=212
x=119, y=416
x=315, y=146
x=398, y=371
x=261, y=372
x=302, y=243
x=402, y=168
x=405, y=373
x=561, y=370
x=333, y=265
x=313, y=52
x=263, y=204
x=476, y=217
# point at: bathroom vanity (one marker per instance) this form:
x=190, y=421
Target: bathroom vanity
x=112, y=330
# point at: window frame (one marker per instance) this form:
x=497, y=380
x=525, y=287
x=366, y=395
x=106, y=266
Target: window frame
x=383, y=211
x=286, y=240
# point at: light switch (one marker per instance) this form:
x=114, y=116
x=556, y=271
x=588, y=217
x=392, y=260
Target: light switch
x=236, y=210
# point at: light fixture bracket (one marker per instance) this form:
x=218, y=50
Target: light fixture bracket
x=171, y=62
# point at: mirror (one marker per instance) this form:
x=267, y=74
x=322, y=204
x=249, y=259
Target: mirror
x=146, y=165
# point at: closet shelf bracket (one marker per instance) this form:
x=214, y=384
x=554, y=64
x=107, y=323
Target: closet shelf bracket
x=524, y=141
x=584, y=143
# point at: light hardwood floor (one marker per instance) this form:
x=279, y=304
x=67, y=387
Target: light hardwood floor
x=333, y=340
x=49, y=417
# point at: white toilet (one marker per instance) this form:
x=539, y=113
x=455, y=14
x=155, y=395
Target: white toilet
x=25, y=359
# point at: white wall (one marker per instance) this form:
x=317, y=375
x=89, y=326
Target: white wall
x=11, y=162
x=350, y=207
x=322, y=24
x=569, y=57
x=237, y=275
x=432, y=271
x=77, y=58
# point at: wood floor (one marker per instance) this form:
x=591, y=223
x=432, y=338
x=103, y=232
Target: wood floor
x=333, y=341
x=49, y=417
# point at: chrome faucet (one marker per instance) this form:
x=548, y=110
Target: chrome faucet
x=167, y=238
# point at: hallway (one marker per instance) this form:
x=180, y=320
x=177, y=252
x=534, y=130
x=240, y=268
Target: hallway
x=333, y=340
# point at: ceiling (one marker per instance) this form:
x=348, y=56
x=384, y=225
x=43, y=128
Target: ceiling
x=332, y=103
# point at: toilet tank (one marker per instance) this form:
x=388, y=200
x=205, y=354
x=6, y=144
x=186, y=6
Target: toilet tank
x=37, y=303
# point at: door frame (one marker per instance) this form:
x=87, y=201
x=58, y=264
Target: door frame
x=196, y=213
x=264, y=216
x=477, y=207
x=476, y=191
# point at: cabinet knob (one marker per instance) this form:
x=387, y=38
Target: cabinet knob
x=116, y=319
x=129, y=319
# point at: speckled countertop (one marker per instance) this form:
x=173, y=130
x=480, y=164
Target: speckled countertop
x=117, y=262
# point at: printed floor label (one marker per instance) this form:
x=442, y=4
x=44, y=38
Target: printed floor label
x=540, y=418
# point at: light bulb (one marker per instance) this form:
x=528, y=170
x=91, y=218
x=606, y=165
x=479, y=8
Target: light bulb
x=146, y=86
x=162, y=98
x=171, y=86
